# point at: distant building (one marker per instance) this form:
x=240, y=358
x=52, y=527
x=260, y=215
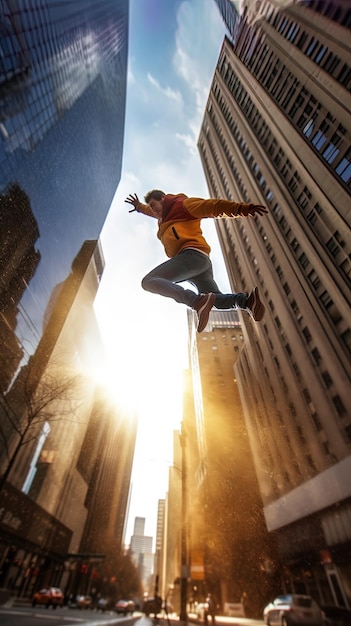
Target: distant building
x=277, y=131
x=171, y=555
x=160, y=527
x=141, y=552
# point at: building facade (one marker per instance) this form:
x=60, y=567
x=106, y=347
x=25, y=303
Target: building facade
x=141, y=553
x=64, y=500
x=62, y=107
x=277, y=131
x=230, y=550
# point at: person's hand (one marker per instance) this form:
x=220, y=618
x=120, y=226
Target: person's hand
x=134, y=200
x=250, y=210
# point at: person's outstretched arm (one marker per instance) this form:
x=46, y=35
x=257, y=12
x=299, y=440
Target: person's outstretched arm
x=139, y=206
x=214, y=207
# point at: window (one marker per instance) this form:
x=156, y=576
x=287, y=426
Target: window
x=326, y=299
x=327, y=379
x=295, y=244
x=338, y=403
x=321, y=52
x=316, y=355
x=303, y=259
x=312, y=217
x=344, y=167
x=331, y=62
x=346, y=338
x=306, y=333
x=314, y=279
x=311, y=47
x=333, y=246
x=319, y=140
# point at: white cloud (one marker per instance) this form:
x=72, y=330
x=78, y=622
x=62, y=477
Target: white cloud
x=166, y=91
x=189, y=141
x=194, y=59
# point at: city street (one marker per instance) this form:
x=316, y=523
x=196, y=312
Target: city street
x=28, y=616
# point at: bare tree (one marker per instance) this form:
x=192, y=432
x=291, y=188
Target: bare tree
x=30, y=403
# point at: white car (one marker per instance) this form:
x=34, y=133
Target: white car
x=293, y=610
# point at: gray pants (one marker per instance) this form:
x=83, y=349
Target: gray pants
x=196, y=268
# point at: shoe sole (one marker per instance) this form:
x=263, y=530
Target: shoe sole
x=204, y=313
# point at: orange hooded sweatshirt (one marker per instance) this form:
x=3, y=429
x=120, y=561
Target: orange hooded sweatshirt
x=179, y=227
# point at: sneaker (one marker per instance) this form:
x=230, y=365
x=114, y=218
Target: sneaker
x=203, y=306
x=254, y=306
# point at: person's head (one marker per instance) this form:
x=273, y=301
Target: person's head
x=154, y=199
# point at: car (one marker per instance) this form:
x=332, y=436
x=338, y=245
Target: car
x=293, y=609
x=152, y=606
x=336, y=615
x=51, y=596
x=81, y=602
x=124, y=607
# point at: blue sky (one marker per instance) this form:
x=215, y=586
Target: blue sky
x=173, y=51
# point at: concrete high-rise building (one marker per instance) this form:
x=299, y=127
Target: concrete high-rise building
x=277, y=131
x=229, y=547
x=160, y=528
x=141, y=552
x=160, y=523
x=171, y=557
x=229, y=10
x=105, y=464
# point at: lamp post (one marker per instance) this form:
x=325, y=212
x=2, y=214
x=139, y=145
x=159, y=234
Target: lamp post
x=184, y=569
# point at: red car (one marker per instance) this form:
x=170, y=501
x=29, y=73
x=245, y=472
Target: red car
x=124, y=607
x=52, y=596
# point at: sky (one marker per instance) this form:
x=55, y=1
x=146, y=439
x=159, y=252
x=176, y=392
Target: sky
x=173, y=51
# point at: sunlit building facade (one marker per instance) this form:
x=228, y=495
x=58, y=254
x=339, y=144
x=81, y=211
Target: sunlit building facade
x=277, y=131
x=105, y=464
x=160, y=528
x=62, y=107
x=230, y=550
x=171, y=555
x=68, y=485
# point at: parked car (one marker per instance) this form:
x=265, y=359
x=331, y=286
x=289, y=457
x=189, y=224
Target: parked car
x=81, y=602
x=336, y=616
x=125, y=607
x=152, y=606
x=52, y=596
x=291, y=610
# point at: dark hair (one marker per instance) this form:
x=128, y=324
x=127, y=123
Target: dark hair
x=156, y=194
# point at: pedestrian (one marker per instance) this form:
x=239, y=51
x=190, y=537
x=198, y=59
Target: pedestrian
x=179, y=230
x=210, y=609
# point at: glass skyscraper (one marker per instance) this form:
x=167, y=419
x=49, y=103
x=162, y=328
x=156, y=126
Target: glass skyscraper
x=63, y=69
x=62, y=109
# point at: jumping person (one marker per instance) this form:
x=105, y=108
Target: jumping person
x=179, y=230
